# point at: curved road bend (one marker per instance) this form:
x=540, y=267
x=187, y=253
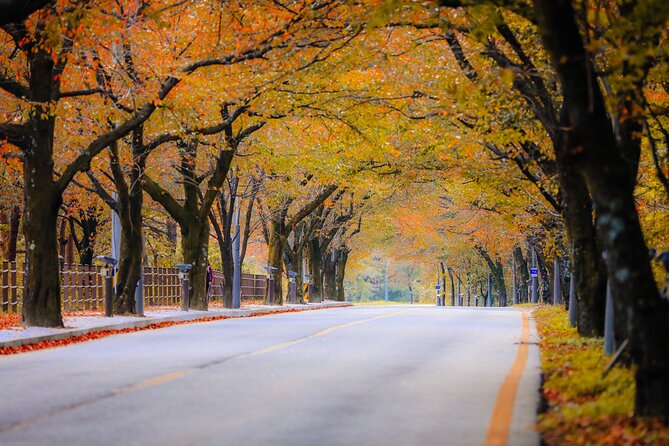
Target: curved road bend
x=396, y=375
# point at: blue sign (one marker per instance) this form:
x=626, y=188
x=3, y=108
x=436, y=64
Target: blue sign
x=438, y=287
x=534, y=272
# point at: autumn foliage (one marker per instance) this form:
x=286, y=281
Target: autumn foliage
x=582, y=407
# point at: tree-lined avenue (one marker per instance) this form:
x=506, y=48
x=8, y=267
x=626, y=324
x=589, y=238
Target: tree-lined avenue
x=360, y=375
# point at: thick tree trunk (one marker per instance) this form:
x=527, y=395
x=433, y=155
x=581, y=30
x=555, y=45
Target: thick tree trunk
x=129, y=270
x=545, y=280
x=316, y=269
x=523, y=274
x=195, y=248
x=41, y=295
x=329, y=277
x=130, y=204
x=588, y=267
x=610, y=174
x=130, y=257
x=500, y=283
x=275, y=259
x=340, y=275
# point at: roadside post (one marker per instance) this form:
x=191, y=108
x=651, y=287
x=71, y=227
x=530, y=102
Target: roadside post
x=292, y=287
x=438, y=300
x=236, y=261
x=107, y=271
x=557, y=289
x=489, y=297
x=307, y=287
x=270, y=284
x=609, y=341
x=183, y=269
x=534, y=274
x=573, y=305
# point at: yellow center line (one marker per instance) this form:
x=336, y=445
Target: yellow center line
x=151, y=382
x=323, y=332
x=181, y=373
x=178, y=374
x=500, y=421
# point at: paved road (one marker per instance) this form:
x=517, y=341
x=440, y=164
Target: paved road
x=386, y=376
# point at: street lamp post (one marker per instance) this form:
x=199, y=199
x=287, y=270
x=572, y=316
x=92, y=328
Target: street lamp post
x=236, y=261
x=184, y=268
x=270, y=284
x=107, y=271
x=292, y=287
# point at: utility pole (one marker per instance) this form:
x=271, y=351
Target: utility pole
x=236, y=259
x=534, y=272
x=115, y=238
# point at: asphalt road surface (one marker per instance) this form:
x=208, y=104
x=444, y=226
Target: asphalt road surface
x=391, y=375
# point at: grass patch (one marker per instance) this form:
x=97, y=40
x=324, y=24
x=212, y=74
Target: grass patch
x=583, y=408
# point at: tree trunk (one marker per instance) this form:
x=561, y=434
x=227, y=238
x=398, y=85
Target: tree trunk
x=41, y=295
x=329, y=277
x=224, y=239
x=129, y=205
x=275, y=259
x=499, y=282
x=610, y=175
x=316, y=269
x=588, y=268
x=195, y=248
x=130, y=256
x=523, y=274
x=340, y=275
x=545, y=282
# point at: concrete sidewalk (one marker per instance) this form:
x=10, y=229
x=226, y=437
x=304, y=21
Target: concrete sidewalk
x=81, y=325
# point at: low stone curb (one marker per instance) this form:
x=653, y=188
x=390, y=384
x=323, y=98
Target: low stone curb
x=141, y=322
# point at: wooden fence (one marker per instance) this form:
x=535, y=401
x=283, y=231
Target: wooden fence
x=82, y=287
x=253, y=286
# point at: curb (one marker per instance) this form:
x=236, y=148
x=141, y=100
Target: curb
x=190, y=316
